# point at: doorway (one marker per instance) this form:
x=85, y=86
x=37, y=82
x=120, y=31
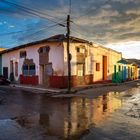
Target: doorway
x=80, y=73
x=46, y=72
x=104, y=67
x=5, y=72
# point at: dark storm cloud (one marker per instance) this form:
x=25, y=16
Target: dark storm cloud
x=112, y=19
x=129, y=35
x=103, y=21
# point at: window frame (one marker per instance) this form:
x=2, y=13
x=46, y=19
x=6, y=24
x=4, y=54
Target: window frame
x=97, y=66
x=22, y=54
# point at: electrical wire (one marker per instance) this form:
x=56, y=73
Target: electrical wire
x=88, y=11
x=32, y=11
x=77, y=32
x=26, y=8
x=35, y=33
x=31, y=29
x=36, y=37
x=80, y=27
x=32, y=36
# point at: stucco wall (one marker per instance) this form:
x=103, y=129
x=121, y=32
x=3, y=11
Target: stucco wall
x=112, y=57
x=73, y=60
x=88, y=59
x=55, y=57
x=94, y=55
x=15, y=57
x=58, y=58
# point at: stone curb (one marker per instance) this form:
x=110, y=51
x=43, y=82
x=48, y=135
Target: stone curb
x=73, y=90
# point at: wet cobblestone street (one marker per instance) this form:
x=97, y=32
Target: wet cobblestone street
x=29, y=116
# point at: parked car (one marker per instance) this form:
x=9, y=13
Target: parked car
x=4, y=81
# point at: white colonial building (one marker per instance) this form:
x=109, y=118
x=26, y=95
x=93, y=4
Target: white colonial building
x=45, y=62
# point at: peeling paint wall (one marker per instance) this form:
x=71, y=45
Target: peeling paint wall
x=88, y=58
x=55, y=57
x=94, y=55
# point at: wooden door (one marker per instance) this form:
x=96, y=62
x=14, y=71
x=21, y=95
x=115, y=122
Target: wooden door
x=104, y=67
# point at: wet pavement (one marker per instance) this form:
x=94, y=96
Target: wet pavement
x=28, y=116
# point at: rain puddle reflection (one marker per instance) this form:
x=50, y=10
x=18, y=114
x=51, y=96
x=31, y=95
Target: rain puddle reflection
x=68, y=118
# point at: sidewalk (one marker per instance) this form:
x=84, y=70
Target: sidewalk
x=39, y=89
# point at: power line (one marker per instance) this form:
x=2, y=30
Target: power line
x=81, y=27
x=33, y=36
x=3, y=34
x=32, y=11
x=85, y=34
x=48, y=27
x=77, y=32
x=88, y=11
x=27, y=8
x=35, y=33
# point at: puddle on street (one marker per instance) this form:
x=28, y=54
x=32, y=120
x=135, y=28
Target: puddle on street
x=64, y=118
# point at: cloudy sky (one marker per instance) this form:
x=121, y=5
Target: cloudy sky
x=112, y=23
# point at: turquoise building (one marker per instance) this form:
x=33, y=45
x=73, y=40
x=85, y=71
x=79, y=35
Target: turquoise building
x=120, y=72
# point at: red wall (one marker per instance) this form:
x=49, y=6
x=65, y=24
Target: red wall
x=29, y=80
x=62, y=81
x=58, y=81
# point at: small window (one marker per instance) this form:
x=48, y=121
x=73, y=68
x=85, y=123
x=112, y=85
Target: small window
x=40, y=50
x=25, y=69
x=82, y=50
x=11, y=66
x=47, y=49
x=28, y=69
x=31, y=69
x=78, y=49
x=97, y=66
x=16, y=68
x=44, y=49
x=22, y=54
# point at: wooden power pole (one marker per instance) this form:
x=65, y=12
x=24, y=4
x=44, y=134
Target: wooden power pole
x=68, y=54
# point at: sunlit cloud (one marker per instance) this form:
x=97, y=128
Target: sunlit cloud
x=127, y=48
x=103, y=21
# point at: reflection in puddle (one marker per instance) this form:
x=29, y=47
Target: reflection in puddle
x=69, y=118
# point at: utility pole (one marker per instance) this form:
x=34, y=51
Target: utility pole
x=68, y=54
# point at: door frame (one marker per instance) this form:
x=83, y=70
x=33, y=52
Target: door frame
x=104, y=72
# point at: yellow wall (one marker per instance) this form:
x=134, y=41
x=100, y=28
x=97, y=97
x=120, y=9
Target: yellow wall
x=94, y=55
x=112, y=58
